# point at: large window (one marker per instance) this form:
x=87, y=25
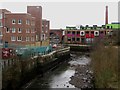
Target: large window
x=13, y=38
x=19, y=21
x=27, y=30
x=32, y=38
x=13, y=30
x=32, y=31
x=27, y=38
x=13, y=21
x=28, y=22
x=19, y=38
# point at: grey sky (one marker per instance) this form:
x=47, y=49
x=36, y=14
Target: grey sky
x=62, y=14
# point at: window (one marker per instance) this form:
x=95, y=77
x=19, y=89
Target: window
x=0, y=33
x=78, y=39
x=0, y=24
x=73, y=39
x=69, y=39
x=19, y=21
x=78, y=32
x=19, y=38
x=27, y=31
x=27, y=22
x=68, y=32
x=27, y=38
x=0, y=16
x=13, y=21
x=13, y=30
x=32, y=31
x=32, y=38
x=19, y=30
x=33, y=23
x=107, y=27
x=73, y=32
x=7, y=31
x=13, y=38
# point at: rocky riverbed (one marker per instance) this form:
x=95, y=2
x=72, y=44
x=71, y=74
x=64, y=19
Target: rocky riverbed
x=83, y=77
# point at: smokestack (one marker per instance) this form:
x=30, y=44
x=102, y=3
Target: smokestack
x=106, y=15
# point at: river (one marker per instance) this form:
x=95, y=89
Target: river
x=60, y=76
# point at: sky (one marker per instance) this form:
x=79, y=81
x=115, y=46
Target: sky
x=72, y=13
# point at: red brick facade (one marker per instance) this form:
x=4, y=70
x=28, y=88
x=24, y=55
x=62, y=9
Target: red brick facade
x=20, y=28
x=45, y=29
x=23, y=28
x=36, y=11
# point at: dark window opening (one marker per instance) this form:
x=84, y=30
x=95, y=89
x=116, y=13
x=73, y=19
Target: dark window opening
x=78, y=39
x=78, y=32
x=87, y=32
x=73, y=32
x=107, y=27
x=69, y=39
x=73, y=39
x=68, y=32
x=92, y=32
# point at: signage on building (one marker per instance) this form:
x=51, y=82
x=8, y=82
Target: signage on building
x=6, y=53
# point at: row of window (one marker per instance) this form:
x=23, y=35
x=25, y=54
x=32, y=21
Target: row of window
x=78, y=32
x=19, y=38
x=20, y=22
x=20, y=30
x=88, y=40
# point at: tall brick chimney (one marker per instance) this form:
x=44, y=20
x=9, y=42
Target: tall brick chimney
x=106, y=15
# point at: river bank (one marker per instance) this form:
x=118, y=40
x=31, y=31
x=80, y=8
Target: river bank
x=61, y=76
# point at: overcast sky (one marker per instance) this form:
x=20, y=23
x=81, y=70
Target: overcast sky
x=62, y=14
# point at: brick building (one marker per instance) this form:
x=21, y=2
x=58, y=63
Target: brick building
x=45, y=29
x=85, y=35
x=24, y=28
x=2, y=23
x=36, y=11
x=20, y=29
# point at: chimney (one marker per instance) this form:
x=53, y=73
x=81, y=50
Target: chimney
x=106, y=15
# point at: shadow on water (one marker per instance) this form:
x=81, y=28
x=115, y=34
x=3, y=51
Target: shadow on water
x=58, y=77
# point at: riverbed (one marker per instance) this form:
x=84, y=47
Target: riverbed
x=64, y=75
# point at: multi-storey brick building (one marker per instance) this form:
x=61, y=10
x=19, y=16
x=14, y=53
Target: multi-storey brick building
x=20, y=29
x=24, y=28
x=36, y=11
x=85, y=35
x=45, y=29
x=2, y=23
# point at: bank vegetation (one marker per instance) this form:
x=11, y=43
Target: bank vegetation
x=105, y=63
